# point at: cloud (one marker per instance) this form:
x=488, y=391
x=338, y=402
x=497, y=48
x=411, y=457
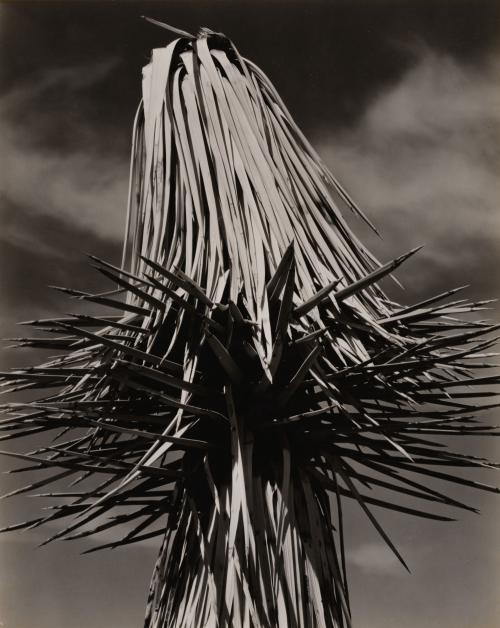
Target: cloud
x=423, y=161
x=375, y=559
x=38, y=250
x=71, y=78
x=52, y=160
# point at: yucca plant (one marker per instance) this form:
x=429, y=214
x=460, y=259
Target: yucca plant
x=255, y=375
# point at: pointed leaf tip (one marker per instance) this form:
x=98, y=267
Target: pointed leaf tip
x=167, y=27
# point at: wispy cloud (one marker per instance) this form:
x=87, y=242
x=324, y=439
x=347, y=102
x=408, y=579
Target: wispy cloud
x=72, y=78
x=375, y=559
x=424, y=162
x=79, y=183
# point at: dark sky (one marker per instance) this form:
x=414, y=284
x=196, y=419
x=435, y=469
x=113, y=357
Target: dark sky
x=401, y=99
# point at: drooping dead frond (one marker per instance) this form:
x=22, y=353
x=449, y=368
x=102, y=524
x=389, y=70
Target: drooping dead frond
x=255, y=376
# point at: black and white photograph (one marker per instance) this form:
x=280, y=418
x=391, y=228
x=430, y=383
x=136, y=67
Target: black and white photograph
x=250, y=355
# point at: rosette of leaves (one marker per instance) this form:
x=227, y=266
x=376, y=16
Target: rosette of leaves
x=245, y=374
